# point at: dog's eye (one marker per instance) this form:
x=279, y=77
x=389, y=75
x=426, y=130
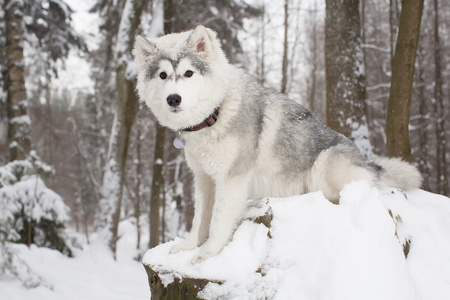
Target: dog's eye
x=188, y=73
x=163, y=75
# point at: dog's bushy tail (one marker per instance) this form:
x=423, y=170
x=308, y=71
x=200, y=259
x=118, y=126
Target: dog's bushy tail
x=394, y=172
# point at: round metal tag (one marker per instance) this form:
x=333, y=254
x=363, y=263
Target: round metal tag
x=179, y=142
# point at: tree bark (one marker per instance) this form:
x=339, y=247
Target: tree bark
x=262, y=63
x=393, y=26
x=126, y=105
x=158, y=158
x=157, y=187
x=284, y=71
x=137, y=200
x=424, y=160
x=19, y=121
x=397, y=122
x=439, y=108
x=127, y=108
x=345, y=72
x=314, y=65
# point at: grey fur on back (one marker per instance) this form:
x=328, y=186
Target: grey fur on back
x=301, y=138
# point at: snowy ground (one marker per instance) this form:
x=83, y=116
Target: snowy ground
x=317, y=251
x=323, y=251
x=91, y=274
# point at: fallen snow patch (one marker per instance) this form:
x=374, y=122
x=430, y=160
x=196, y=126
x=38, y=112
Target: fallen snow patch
x=92, y=274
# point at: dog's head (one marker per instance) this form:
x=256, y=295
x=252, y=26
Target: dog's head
x=180, y=76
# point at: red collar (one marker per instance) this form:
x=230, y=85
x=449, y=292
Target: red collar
x=208, y=122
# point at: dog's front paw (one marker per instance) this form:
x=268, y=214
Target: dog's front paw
x=185, y=245
x=206, y=251
x=201, y=257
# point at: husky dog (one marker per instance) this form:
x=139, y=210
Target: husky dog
x=242, y=140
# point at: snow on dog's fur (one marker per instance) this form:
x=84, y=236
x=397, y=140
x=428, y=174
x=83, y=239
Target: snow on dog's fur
x=262, y=144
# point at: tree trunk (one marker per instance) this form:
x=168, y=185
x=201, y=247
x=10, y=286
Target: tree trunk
x=48, y=133
x=345, y=73
x=314, y=64
x=439, y=108
x=19, y=121
x=262, y=66
x=157, y=189
x=126, y=105
x=397, y=122
x=137, y=200
x=168, y=16
x=424, y=160
x=187, y=288
x=82, y=211
x=180, y=289
x=284, y=71
x=127, y=108
x=158, y=158
x=393, y=26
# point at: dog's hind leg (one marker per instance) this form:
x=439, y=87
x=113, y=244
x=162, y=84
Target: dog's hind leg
x=333, y=169
x=204, y=200
x=229, y=206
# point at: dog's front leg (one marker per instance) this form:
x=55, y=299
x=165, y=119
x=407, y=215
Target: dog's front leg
x=230, y=203
x=204, y=200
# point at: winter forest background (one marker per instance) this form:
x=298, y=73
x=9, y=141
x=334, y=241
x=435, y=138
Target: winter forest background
x=80, y=155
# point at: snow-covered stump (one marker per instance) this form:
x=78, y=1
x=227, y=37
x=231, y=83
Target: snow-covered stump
x=186, y=287
x=374, y=245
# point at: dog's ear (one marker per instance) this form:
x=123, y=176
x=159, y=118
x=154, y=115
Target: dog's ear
x=202, y=39
x=143, y=49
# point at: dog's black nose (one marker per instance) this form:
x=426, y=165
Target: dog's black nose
x=174, y=100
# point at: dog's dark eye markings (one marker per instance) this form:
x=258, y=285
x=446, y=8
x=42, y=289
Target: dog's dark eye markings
x=188, y=73
x=163, y=75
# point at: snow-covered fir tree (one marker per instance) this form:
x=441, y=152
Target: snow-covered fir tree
x=36, y=35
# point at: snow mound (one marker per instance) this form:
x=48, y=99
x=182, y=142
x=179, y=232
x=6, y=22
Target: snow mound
x=317, y=250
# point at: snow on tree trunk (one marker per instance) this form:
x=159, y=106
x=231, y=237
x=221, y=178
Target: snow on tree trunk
x=127, y=102
x=158, y=155
x=19, y=121
x=345, y=72
x=397, y=131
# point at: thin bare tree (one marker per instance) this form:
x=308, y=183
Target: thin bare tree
x=397, y=122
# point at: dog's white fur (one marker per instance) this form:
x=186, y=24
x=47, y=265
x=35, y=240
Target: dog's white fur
x=222, y=182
